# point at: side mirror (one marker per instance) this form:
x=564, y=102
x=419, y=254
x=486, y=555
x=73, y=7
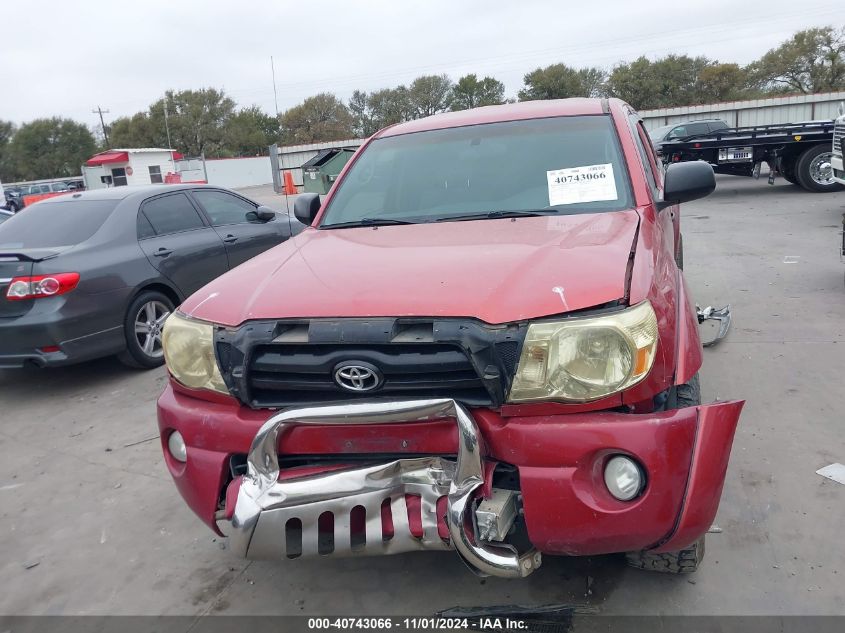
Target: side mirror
x=264, y=214
x=687, y=181
x=306, y=207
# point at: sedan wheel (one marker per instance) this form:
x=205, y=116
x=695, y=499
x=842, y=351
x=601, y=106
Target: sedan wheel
x=148, y=325
x=143, y=326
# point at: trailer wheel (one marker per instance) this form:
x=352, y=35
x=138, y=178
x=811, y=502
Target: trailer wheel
x=813, y=170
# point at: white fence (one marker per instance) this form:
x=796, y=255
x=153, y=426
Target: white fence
x=228, y=172
x=789, y=109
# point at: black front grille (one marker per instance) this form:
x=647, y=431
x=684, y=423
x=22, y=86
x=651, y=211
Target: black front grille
x=274, y=364
x=294, y=374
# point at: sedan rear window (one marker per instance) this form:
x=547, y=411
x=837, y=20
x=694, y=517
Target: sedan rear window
x=553, y=165
x=48, y=225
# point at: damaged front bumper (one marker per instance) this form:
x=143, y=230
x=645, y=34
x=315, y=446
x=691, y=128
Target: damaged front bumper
x=390, y=477
x=266, y=506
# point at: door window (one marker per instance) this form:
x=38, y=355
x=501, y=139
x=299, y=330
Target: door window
x=118, y=176
x=697, y=128
x=646, y=153
x=224, y=208
x=171, y=214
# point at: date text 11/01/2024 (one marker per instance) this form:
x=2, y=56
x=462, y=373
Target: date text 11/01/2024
x=417, y=624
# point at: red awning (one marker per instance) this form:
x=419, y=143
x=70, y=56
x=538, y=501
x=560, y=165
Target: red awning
x=107, y=157
x=178, y=156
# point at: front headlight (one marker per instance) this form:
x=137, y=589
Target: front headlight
x=579, y=360
x=189, y=353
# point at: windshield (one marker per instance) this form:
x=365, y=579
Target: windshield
x=554, y=165
x=50, y=225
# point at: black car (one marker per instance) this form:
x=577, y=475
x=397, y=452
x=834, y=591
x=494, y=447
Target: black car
x=686, y=129
x=96, y=273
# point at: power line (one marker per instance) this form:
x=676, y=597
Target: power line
x=101, y=112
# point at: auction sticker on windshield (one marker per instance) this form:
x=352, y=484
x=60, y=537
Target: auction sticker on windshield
x=590, y=183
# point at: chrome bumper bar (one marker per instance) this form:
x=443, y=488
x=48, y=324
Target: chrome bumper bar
x=266, y=506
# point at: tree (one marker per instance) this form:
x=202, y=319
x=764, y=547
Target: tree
x=429, y=95
x=560, y=81
x=249, y=132
x=48, y=148
x=810, y=61
x=721, y=82
x=376, y=110
x=390, y=106
x=469, y=92
x=7, y=130
x=670, y=81
x=362, y=116
x=197, y=119
x=139, y=130
x=322, y=117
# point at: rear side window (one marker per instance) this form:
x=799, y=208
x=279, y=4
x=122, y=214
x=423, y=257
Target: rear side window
x=145, y=229
x=48, y=225
x=171, y=214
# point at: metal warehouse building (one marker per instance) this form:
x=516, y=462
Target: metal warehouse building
x=771, y=111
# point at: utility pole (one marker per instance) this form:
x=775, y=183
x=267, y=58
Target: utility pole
x=167, y=126
x=275, y=96
x=101, y=112
x=167, y=129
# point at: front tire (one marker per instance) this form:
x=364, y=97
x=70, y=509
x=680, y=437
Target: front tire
x=142, y=327
x=687, y=560
x=813, y=170
x=684, y=561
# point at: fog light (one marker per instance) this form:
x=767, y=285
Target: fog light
x=623, y=478
x=176, y=445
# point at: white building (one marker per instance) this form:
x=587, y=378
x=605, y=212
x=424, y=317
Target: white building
x=137, y=166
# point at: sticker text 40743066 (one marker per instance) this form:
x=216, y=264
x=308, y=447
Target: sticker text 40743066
x=573, y=185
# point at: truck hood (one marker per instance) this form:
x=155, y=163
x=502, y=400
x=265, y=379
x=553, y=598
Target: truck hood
x=497, y=271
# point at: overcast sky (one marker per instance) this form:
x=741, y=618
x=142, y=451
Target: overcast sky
x=61, y=58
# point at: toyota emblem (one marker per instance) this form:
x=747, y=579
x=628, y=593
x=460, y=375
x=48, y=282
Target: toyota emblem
x=357, y=376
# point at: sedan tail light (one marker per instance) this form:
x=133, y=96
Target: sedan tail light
x=22, y=288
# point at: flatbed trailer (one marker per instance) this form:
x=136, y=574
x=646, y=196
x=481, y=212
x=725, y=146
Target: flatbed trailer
x=800, y=152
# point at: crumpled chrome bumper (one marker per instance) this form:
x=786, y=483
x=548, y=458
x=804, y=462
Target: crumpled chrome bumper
x=265, y=505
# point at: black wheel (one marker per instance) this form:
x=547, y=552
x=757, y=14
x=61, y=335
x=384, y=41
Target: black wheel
x=814, y=172
x=142, y=326
x=683, y=561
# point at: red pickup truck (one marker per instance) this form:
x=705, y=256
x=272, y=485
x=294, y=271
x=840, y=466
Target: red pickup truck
x=482, y=343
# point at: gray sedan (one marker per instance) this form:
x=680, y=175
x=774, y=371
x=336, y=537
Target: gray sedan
x=95, y=273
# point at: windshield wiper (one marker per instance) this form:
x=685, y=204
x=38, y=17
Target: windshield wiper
x=527, y=213
x=366, y=222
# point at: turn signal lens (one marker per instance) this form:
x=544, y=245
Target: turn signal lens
x=578, y=360
x=23, y=288
x=189, y=353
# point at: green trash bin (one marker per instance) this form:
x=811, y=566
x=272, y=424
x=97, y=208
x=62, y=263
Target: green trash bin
x=319, y=173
